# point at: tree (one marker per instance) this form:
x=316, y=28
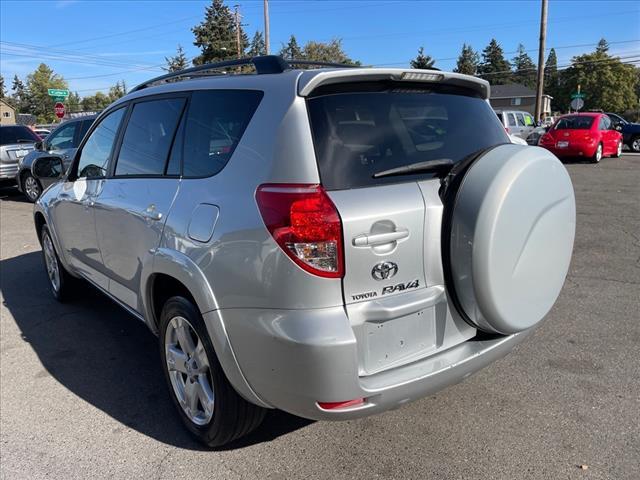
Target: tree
x=524, y=70
x=551, y=78
x=177, y=62
x=422, y=61
x=73, y=102
x=494, y=67
x=37, y=86
x=216, y=35
x=117, y=91
x=3, y=92
x=291, y=51
x=20, y=97
x=95, y=103
x=607, y=83
x=257, y=46
x=327, y=52
x=467, y=61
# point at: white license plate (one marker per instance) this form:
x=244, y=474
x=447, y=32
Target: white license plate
x=562, y=144
x=21, y=153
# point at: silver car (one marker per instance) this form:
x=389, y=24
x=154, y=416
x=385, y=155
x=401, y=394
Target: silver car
x=517, y=122
x=334, y=243
x=16, y=141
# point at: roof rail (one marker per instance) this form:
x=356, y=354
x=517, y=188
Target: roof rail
x=265, y=64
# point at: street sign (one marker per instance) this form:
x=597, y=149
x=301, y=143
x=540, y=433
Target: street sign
x=59, y=109
x=58, y=92
x=577, y=103
x=578, y=95
x=59, y=99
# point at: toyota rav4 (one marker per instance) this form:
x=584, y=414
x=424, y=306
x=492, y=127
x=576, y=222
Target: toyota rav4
x=333, y=242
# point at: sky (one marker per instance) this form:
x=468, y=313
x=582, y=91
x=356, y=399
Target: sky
x=93, y=44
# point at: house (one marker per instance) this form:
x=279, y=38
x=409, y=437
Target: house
x=514, y=96
x=7, y=113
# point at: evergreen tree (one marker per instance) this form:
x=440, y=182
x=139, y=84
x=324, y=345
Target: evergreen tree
x=551, y=84
x=422, y=61
x=73, y=102
x=494, y=67
x=467, y=61
x=291, y=51
x=327, y=52
x=524, y=68
x=216, y=35
x=607, y=83
x=119, y=90
x=20, y=97
x=3, y=92
x=38, y=83
x=257, y=46
x=177, y=62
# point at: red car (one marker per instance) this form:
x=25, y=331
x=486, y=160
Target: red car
x=588, y=135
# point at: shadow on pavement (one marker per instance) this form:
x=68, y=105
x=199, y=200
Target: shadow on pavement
x=105, y=356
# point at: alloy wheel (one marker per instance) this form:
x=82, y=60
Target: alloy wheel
x=635, y=145
x=189, y=370
x=599, y=153
x=31, y=188
x=51, y=262
x=619, y=152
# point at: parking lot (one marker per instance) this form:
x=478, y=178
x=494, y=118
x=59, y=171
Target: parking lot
x=82, y=392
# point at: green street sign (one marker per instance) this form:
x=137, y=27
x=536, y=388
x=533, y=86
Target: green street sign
x=578, y=95
x=58, y=92
x=59, y=99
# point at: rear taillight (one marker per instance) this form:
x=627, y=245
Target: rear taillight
x=507, y=129
x=305, y=223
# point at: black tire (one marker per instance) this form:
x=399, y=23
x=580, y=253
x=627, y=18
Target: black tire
x=233, y=417
x=598, y=154
x=31, y=187
x=63, y=289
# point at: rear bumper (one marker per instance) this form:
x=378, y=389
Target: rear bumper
x=573, y=150
x=8, y=171
x=293, y=359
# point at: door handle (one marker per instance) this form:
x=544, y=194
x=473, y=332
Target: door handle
x=380, y=238
x=151, y=213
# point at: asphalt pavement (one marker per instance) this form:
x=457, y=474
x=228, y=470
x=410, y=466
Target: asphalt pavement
x=82, y=394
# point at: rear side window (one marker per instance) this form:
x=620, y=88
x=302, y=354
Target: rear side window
x=17, y=134
x=359, y=134
x=148, y=137
x=520, y=118
x=575, y=122
x=215, y=123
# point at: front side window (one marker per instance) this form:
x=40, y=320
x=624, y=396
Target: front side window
x=528, y=120
x=606, y=123
x=215, y=123
x=520, y=119
x=84, y=128
x=62, y=138
x=148, y=137
x=96, y=153
x=512, y=120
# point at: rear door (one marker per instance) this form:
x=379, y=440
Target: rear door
x=391, y=222
x=134, y=202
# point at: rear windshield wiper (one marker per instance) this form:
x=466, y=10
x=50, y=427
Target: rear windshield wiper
x=441, y=165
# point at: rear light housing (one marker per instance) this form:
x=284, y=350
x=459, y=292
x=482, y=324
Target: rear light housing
x=340, y=405
x=306, y=225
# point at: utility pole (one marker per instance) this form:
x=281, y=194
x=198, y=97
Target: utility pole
x=540, y=81
x=237, y=18
x=266, y=26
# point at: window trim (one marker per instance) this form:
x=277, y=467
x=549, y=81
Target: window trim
x=111, y=171
x=72, y=176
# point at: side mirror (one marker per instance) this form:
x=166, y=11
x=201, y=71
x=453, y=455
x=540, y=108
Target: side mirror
x=618, y=127
x=39, y=145
x=48, y=167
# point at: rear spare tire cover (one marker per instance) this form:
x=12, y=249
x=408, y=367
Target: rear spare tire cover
x=512, y=228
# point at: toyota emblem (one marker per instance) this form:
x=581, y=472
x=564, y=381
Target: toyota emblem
x=384, y=270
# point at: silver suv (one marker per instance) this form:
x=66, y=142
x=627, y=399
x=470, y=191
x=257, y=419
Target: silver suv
x=333, y=242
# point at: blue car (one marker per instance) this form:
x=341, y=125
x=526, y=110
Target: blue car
x=630, y=131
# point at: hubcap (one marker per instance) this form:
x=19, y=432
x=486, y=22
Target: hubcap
x=189, y=370
x=51, y=262
x=636, y=145
x=619, y=149
x=599, y=153
x=31, y=187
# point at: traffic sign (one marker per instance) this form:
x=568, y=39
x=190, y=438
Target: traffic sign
x=59, y=99
x=577, y=103
x=58, y=92
x=59, y=109
x=578, y=95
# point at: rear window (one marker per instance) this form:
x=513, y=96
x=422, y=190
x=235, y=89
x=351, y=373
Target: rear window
x=575, y=122
x=358, y=134
x=17, y=134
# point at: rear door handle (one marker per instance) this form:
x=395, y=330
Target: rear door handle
x=380, y=238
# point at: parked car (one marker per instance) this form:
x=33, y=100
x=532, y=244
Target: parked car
x=62, y=142
x=536, y=134
x=333, y=242
x=630, y=131
x=588, y=135
x=516, y=122
x=16, y=141
x=42, y=133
